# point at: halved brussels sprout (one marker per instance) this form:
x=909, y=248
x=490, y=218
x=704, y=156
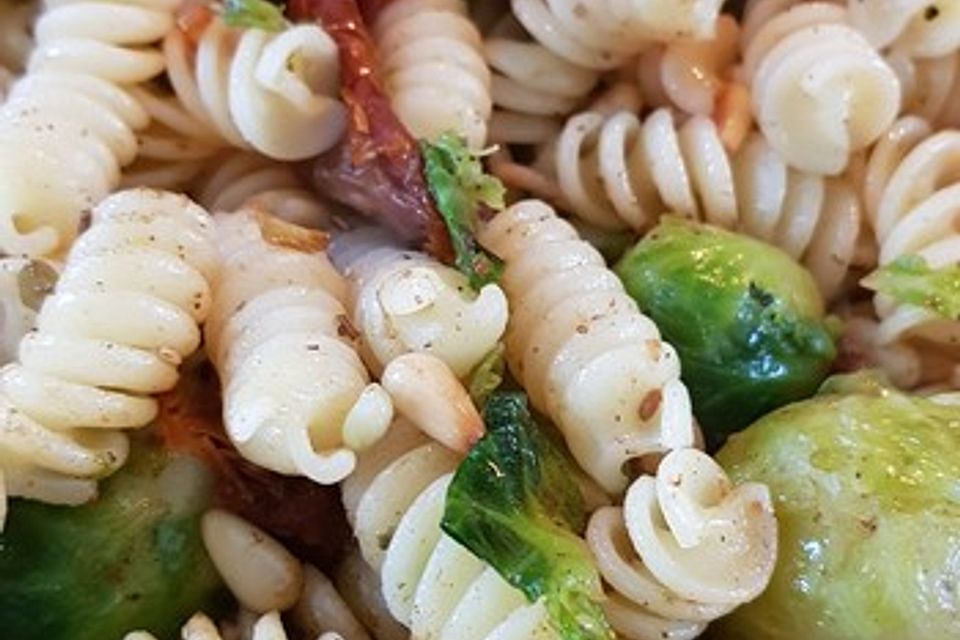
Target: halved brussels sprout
x=867, y=488
x=746, y=319
x=134, y=559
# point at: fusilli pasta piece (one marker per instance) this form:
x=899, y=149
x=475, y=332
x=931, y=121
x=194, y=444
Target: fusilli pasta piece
x=297, y=398
x=68, y=126
x=124, y=314
x=912, y=190
x=616, y=172
x=430, y=583
x=405, y=301
x=820, y=91
x=434, y=69
x=920, y=28
x=270, y=92
x=241, y=179
x=931, y=87
x=686, y=548
x=583, y=351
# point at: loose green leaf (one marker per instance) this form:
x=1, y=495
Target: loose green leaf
x=514, y=503
x=460, y=187
x=910, y=280
x=253, y=14
x=487, y=376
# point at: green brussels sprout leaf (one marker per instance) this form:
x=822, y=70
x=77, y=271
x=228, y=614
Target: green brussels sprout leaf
x=460, y=187
x=487, y=376
x=253, y=14
x=134, y=559
x=746, y=320
x=867, y=481
x=910, y=280
x=514, y=503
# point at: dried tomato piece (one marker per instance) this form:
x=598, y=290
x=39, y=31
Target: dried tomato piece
x=377, y=169
x=308, y=518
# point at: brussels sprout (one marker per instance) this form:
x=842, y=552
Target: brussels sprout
x=745, y=318
x=867, y=489
x=134, y=559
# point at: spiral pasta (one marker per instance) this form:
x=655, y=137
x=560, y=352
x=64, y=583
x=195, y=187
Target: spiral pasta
x=912, y=189
x=131, y=296
x=617, y=172
x=582, y=350
x=68, y=126
x=252, y=89
x=686, y=548
x=434, y=68
x=548, y=56
x=919, y=28
x=405, y=301
x=246, y=180
x=820, y=91
x=297, y=398
x=430, y=583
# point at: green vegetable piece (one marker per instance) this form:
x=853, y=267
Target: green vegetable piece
x=134, y=559
x=910, y=280
x=514, y=503
x=253, y=14
x=867, y=486
x=745, y=318
x=459, y=187
x=487, y=376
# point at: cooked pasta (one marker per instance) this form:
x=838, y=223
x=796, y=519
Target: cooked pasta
x=820, y=91
x=405, y=301
x=130, y=298
x=68, y=126
x=23, y=286
x=912, y=188
x=246, y=180
x=686, y=548
x=297, y=398
x=252, y=89
x=434, y=68
x=920, y=28
x=931, y=87
x=431, y=584
x=582, y=350
x=616, y=172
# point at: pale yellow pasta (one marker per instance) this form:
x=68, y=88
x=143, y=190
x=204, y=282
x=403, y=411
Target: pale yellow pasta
x=130, y=298
x=434, y=69
x=68, y=126
x=920, y=28
x=405, y=301
x=430, y=584
x=820, y=91
x=686, y=548
x=581, y=348
x=297, y=398
x=275, y=93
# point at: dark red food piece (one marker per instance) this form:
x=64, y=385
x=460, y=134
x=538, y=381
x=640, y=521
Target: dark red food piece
x=377, y=169
x=306, y=517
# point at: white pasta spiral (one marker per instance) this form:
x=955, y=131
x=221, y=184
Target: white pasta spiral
x=686, y=548
x=405, y=301
x=820, y=91
x=433, y=67
x=931, y=87
x=573, y=43
x=68, y=125
x=581, y=348
x=297, y=398
x=241, y=179
x=431, y=584
x=252, y=89
x=618, y=172
x=912, y=187
x=920, y=28
x=124, y=314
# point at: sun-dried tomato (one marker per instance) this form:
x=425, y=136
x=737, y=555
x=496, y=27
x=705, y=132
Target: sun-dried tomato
x=306, y=517
x=377, y=169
